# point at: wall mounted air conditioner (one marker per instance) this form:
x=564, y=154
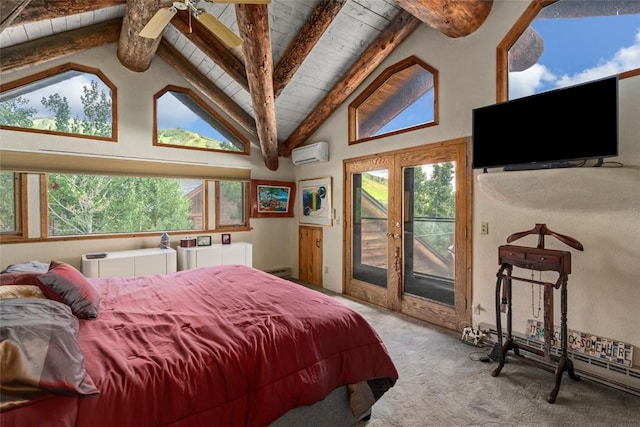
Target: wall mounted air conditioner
x=312, y=153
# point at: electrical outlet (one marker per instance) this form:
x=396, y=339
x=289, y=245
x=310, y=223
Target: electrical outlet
x=484, y=228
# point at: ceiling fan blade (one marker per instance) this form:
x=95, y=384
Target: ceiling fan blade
x=157, y=23
x=220, y=30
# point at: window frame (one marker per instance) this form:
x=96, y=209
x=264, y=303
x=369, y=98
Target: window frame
x=20, y=207
x=209, y=224
x=207, y=108
x=246, y=196
x=70, y=66
x=377, y=84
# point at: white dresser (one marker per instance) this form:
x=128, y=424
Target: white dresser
x=137, y=262
x=217, y=254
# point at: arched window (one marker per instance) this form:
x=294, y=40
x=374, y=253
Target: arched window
x=184, y=120
x=403, y=98
x=566, y=42
x=71, y=100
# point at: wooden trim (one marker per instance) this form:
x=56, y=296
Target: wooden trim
x=246, y=207
x=44, y=206
x=502, y=51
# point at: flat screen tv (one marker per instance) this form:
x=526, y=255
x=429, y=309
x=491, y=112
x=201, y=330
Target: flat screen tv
x=550, y=129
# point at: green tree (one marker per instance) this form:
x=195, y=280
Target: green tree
x=436, y=194
x=91, y=204
x=97, y=110
x=59, y=105
x=7, y=203
x=13, y=112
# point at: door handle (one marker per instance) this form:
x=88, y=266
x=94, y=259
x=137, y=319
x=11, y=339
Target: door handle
x=317, y=243
x=394, y=235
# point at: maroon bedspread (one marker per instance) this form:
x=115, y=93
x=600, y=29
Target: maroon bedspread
x=219, y=346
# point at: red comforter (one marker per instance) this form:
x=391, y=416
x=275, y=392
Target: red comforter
x=219, y=346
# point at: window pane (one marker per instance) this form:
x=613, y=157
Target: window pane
x=183, y=120
x=231, y=208
x=573, y=42
x=403, y=97
x=70, y=102
x=94, y=204
x=8, y=205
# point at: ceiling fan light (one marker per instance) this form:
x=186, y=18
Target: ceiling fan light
x=221, y=31
x=180, y=5
x=157, y=23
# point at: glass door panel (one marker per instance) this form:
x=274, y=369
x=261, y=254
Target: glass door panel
x=429, y=231
x=370, y=226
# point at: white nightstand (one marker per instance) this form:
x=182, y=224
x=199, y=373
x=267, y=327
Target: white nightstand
x=217, y=254
x=137, y=262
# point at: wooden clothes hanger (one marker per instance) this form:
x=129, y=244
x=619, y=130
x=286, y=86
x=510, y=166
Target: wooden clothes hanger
x=541, y=230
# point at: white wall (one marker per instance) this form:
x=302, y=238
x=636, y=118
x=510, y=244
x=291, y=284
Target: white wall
x=600, y=207
x=135, y=127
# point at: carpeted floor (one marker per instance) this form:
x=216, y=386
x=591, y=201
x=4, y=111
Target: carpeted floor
x=442, y=383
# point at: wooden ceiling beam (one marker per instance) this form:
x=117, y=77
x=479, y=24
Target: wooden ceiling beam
x=253, y=21
x=396, y=32
x=204, y=40
x=320, y=19
x=39, y=10
x=134, y=52
x=171, y=56
x=48, y=48
x=453, y=18
x=9, y=11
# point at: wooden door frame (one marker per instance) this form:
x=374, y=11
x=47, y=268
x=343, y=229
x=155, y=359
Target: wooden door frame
x=444, y=316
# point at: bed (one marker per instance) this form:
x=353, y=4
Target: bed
x=216, y=346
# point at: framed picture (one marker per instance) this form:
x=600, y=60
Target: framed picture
x=272, y=199
x=226, y=239
x=315, y=201
x=204, y=240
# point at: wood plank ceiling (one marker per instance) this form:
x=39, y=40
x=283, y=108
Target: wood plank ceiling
x=298, y=62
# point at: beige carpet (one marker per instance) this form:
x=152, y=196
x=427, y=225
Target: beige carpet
x=443, y=384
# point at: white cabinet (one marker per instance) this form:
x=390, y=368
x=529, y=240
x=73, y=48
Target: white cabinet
x=217, y=254
x=138, y=262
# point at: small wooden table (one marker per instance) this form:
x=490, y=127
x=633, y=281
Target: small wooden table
x=538, y=259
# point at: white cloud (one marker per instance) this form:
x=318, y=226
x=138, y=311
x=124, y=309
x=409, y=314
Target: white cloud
x=526, y=82
x=627, y=58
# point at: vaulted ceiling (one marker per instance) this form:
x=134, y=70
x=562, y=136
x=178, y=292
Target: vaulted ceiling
x=299, y=60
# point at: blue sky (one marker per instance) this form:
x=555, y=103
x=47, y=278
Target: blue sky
x=579, y=50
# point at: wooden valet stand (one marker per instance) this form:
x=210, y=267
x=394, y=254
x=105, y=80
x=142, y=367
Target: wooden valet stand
x=538, y=259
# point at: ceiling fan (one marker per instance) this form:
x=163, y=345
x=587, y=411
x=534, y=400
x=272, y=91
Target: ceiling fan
x=160, y=20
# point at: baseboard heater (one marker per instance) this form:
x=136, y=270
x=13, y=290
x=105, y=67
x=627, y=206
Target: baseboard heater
x=602, y=371
x=280, y=272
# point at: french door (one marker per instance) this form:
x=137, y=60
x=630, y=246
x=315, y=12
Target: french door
x=407, y=218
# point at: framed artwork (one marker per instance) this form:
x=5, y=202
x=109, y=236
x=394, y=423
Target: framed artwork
x=315, y=201
x=272, y=199
x=226, y=239
x=204, y=240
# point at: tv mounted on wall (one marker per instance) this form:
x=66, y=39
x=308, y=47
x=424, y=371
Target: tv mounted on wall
x=550, y=129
